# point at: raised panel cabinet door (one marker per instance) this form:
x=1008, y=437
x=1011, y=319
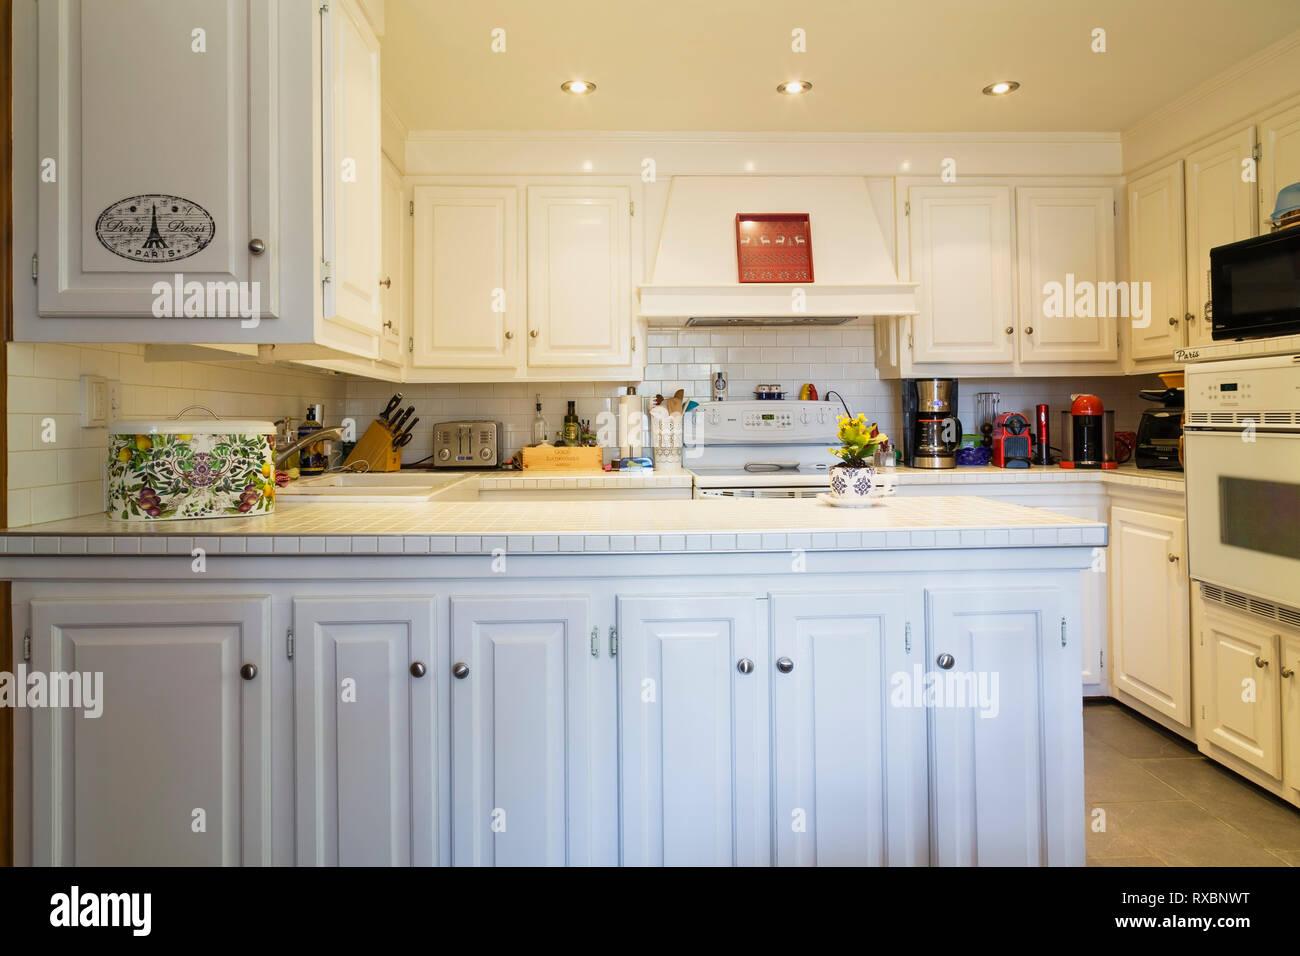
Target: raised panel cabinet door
x=579, y=276
x=1150, y=631
x=172, y=764
x=961, y=260
x=1279, y=159
x=849, y=740
x=1066, y=236
x=1220, y=209
x=693, y=731
x=520, y=729
x=365, y=744
x=353, y=240
x=1243, y=711
x=1007, y=729
x=394, y=269
x=1289, y=672
x=465, y=272
x=1155, y=256
x=154, y=157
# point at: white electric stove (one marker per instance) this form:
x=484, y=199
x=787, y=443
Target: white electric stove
x=762, y=449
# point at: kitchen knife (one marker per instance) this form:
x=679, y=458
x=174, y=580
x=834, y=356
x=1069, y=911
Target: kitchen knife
x=402, y=440
x=406, y=433
x=392, y=406
x=397, y=425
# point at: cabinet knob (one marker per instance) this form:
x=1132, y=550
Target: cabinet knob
x=389, y=325
x=460, y=671
x=1009, y=330
x=1172, y=320
x=256, y=246
x=785, y=665
x=1173, y=558
x=248, y=671
x=1260, y=662
x=1190, y=317
x=418, y=669
x=945, y=661
x=509, y=336
x=532, y=334
x=1286, y=671
x=1029, y=330
x=745, y=665
x=386, y=282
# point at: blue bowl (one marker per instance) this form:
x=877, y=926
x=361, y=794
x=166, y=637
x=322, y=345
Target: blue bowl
x=1288, y=200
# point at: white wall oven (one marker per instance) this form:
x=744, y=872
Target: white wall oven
x=1243, y=475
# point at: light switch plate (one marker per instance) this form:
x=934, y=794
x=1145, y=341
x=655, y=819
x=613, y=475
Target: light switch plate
x=94, y=401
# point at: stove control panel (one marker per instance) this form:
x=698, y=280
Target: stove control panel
x=760, y=422
x=1265, y=391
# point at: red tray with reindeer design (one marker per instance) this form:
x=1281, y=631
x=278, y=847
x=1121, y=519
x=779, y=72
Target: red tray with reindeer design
x=774, y=247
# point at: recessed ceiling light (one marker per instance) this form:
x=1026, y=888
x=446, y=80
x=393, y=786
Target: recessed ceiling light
x=578, y=87
x=1001, y=88
x=793, y=87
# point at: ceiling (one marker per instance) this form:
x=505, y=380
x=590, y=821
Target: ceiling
x=708, y=65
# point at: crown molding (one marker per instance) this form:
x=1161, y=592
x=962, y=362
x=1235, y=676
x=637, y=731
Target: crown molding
x=679, y=136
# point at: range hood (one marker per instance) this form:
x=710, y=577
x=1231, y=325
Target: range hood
x=695, y=275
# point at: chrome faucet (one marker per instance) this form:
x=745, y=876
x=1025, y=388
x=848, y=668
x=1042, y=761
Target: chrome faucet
x=324, y=434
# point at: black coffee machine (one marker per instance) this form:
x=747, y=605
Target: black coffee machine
x=931, y=429
x=1160, y=430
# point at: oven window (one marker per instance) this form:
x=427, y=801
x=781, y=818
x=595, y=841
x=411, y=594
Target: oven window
x=1260, y=515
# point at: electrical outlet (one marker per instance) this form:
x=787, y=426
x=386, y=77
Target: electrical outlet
x=94, y=401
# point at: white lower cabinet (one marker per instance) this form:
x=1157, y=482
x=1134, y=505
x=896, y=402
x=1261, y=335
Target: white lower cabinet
x=367, y=682
x=1007, y=773
x=520, y=731
x=175, y=769
x=1289, y=672
x=1243, y=702
x=841, y=714
x=693, y=731
x=1149, y=611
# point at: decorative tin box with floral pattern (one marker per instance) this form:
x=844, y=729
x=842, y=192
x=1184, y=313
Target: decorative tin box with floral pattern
x=173, y=469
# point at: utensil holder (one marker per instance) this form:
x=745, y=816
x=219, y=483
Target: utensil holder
x=666, y=440
x=375, y=451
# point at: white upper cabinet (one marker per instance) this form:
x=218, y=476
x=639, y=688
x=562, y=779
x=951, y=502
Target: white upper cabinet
x=155, y=158
x=353, y=187
x=1066, y=235
x=396, y=271
x=467, y=290
x=1279, y=159
x=579, y=276
x=1155, y=255
x=961, y=260
x=1220, y=209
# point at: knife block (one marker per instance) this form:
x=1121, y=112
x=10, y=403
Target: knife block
x=375, y=451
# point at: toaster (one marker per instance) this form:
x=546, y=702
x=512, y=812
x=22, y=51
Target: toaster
x=471, y=444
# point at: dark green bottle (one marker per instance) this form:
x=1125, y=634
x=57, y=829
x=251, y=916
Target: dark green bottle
x=572, y=427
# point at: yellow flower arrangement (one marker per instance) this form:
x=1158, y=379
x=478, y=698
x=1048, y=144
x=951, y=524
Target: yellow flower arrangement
x=860, y=441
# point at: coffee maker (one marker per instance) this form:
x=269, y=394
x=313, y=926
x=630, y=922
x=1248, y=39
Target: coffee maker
x=1161, y=430
x=1088, y=434
x=931, y=429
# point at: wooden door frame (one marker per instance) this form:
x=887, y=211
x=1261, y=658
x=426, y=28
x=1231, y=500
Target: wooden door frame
x=6, y=317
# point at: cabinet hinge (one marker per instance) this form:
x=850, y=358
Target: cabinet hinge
x=288, y=643
x=1202, y=712
x=634, y=343
x=910, y=344
x=411, y=208
x=326, y=270
x=1101, y=658
x=1062, y=632
x=36, y=266
x=907, y=637
x=1255, y=152
x=595, y=642
x=613, y=642
x=1114, y=208
x=410, y=344
x=631, y=208
x=323, y=6
x=27, y=644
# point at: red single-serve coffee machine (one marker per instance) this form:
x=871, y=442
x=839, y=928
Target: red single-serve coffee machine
x=1088, y=435
x=1011, y=447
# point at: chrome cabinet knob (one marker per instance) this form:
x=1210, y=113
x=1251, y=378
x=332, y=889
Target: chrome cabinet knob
x=460, y=671
x=945, y=661
x=1260, y=662
x=784, y=665
x=1009, y=330
x=386, y=282
x=256, y=246
x=745, y=665
x=248, y=671
x=1172, y=320
x=418, y=669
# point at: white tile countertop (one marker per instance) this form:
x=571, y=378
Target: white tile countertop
x=581, y=480
x=575, y=526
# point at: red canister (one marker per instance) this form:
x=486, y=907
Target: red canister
x=1042, y=444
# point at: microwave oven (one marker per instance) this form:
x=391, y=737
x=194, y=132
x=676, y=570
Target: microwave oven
x=1255, y=287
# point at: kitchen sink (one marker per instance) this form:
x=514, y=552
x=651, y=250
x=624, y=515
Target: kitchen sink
x=390, y=486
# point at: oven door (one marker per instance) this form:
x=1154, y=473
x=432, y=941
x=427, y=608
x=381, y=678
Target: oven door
x=1243, y=511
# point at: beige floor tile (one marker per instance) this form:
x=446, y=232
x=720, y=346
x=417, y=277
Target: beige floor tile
x=1131, y=735
x=1110, y=777
x=1125, y=861
x=1290, y=856
x=1182, y=834
x=1269, y=821
x=1113, y=842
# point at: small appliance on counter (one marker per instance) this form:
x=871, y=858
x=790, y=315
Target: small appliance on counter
x=1088, y=434
x=1161, y=430
x=1011, y=441
x=931, y=429
x=467, y=444
x=1042, y=454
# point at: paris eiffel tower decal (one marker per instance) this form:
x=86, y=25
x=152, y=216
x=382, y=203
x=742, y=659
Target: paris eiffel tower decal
x=155, y=239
